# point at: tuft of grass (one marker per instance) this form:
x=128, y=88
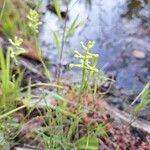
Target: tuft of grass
x=62, y=125
x=8, y=27
x=9, y=84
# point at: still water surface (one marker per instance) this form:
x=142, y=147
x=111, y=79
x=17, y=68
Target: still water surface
x=118, y=28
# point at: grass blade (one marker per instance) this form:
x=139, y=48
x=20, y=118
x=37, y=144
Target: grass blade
x=57, y=8
x=57, y=43
x=145, y=99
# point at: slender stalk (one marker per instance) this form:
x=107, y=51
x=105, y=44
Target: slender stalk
x=3, y=7
x=83, y=77
x=40, y=57
x=59, y=72
x=82, y=86
x=95, y=77
x=43, y=84
x=12, y=111
x=88, y=63
x=95, y=85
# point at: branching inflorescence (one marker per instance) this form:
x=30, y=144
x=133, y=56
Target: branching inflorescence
x=16, y=47
x=34, y=21
x=88, y=64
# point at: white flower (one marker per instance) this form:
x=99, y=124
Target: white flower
x=16, y=49
x=34, y=21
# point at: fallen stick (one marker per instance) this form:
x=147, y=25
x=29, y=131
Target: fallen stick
x=30, y=66
x=130, y=119
x=43, y=84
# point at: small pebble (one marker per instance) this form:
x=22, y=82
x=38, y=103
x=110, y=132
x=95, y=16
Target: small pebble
x=138, y=54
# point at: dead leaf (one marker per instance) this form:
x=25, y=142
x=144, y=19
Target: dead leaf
x=31, y=51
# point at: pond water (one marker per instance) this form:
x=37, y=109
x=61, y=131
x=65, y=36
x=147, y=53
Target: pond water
x=121, y=31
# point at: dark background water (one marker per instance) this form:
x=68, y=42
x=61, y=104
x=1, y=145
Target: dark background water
x=120, y=29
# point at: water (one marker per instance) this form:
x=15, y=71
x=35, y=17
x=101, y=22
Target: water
x=116, y=38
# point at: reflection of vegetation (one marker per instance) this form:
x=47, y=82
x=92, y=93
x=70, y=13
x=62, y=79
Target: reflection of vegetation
x=88, y=3
x=134, y=6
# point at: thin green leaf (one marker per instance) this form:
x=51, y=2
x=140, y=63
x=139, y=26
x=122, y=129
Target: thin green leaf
x=8, y=68
x=67, y=113
x=2, y=10
x=12, y=111
x=28, y=94
x=75, y=24
x=88, y=143
x=58, y=97
x=57, y=8
x=56, y=40
x=145, y=99
x=72, y=27
x=2, y=62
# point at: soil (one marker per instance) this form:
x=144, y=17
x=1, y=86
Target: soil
x=120, y=135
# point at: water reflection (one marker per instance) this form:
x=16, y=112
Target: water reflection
x=134, y=7
x=116, y=37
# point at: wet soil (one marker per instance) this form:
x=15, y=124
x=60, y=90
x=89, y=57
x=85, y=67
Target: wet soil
x=119, y=134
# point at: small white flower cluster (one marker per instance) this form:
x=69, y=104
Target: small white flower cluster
x=85, y=63
x=16, y=49
x=34, y=20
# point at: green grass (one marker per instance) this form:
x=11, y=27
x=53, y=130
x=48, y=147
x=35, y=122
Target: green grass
x=57, y=8
x=9, y=85
x=58, y=118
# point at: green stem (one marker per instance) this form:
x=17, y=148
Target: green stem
x=95, y=85
x=83, y=76
x=11, y=112
x=95, y=77
x=2, y=12
x=82, y=87
x=41, y=59
x=59, y=72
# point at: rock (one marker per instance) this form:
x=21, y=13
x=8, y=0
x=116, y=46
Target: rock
x=138, y=54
